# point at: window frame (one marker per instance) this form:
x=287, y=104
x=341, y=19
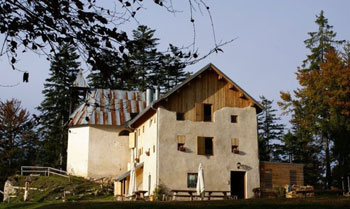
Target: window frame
x=180, y=116
x=192, y=183
x=234, y=118
x=205, y=119
x=202, y=144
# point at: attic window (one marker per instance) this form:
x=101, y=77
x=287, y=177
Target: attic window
x=124, y=133
x=180, y=116
x=233, y=118
x=207, y=112
x=133, y=115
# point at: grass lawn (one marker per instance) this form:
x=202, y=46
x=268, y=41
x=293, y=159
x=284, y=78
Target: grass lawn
x=309, y=203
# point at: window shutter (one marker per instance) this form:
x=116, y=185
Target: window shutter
x=235, y=142
x=199, y=112
x=132, y=140
x=201, y=145
x=180, y=139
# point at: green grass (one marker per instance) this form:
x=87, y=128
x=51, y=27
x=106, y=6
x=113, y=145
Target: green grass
x=309, y=203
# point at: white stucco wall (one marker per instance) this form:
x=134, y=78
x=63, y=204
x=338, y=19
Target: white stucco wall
x=174, y=165
x=77, y=151
x=147, y=139
x=108, y=152
x=97, y=151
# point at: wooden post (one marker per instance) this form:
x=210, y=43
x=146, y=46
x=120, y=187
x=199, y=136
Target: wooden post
x=174, y=195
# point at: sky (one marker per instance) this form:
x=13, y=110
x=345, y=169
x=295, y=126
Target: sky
x=263, y=59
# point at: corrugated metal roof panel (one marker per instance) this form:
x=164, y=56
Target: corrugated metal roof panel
x=108, y=107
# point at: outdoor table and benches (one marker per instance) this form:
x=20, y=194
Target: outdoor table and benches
x=207, y=194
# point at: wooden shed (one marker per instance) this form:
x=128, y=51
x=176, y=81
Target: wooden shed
x=276, y=174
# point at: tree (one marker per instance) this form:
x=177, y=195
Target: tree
x=18, y=141
x=310, y=112
x=56, y=106
x=43, y=25
x=146, y=66
x=270, y=132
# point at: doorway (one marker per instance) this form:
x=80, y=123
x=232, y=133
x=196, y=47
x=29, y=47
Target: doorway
x=238, y=184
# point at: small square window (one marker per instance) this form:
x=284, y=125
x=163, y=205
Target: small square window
x=180, y=116
x=192, y=180
x=233, y=118
x=235, y=145
x=181, y=142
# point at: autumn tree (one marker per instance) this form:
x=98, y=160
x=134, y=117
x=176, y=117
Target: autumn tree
x=18, y=141
x=310, y=112
x=270, y=132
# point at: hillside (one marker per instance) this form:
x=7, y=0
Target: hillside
x=54, y=188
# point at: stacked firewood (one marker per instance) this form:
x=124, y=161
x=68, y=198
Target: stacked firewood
x=297, y=191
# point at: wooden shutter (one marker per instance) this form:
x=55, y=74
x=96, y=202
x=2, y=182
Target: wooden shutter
x=132, y=140
x=235, y=142
x=199, y=111
x=201, y=145
x=180, y=139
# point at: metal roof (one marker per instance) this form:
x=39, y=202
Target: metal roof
x=126, y=174
x=108, y=107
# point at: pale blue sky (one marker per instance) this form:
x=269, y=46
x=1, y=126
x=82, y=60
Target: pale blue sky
x=263, y=60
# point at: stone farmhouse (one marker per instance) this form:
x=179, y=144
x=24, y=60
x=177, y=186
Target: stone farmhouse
x=207, y=119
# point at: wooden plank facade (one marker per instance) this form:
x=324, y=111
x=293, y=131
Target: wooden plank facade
x=280, y=174
x=207, y=88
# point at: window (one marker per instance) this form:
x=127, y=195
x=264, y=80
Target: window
x=207, y=112
x=205, y=146
x=235, y=145
x=124, y=133
x=268, y=179
x=233, y=118
x=180, y=143
x=192, y=180
x=143, y=129
x=133, y=115
x=180, y=116
x=293, y=177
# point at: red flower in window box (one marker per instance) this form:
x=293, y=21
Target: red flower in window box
x=137, y=159
x=182, y=148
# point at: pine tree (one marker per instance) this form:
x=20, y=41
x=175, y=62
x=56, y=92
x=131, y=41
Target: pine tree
x=270, y=132
x=310, y=112
x=55, y=108
x=145, y=68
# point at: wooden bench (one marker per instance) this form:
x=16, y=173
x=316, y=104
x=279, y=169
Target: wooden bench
x=217, y=194
x=187, y=193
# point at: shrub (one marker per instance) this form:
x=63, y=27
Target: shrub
x=280, y=192
x=160, y=191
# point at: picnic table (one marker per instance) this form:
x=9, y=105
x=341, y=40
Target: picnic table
x=192, y=193
x=140, y=194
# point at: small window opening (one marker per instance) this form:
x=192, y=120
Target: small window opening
x=133, y=115
x=180, y=116
x=181, y=143
x=207, y=112
x=124, y=133
x=235, y=145
x=205, y=146
x=233, y=118
x=268, y=178
x=293, y=177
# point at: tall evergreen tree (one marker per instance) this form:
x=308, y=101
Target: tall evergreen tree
x=310, y=112
x=55, y=108
x=145, y=67
x=270, y=132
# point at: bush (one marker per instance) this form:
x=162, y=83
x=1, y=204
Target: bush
x=160, y=191
x=280, y=192
x=257, y=192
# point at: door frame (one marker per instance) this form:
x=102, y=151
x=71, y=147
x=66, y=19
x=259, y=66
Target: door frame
x=245, y=182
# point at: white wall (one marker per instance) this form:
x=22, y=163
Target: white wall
x=108, y=152
x=77, y=151
x=97, y=151
x=174, y=165
x=146, y=140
